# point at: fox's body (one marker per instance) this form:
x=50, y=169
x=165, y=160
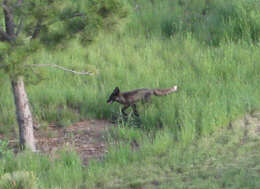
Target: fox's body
x=130, y=98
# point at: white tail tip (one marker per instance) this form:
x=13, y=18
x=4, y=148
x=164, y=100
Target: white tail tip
x=175, y=88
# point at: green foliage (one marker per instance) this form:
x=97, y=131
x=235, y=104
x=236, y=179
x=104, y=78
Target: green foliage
x=211, y=22
x=62, y=20
x=53, y=23
x=18, y=180
x=4, y=47
x=27, y=170
x=3, y=148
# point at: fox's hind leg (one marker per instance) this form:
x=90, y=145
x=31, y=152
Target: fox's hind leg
x=135, y=110
x=137, y=121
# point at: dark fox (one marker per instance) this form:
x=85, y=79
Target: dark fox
x=130, y=98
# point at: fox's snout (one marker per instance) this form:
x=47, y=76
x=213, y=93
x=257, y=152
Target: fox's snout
x=109, y=101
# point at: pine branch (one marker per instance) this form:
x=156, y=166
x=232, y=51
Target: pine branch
x=20, y=26
x=4, y=36
x=62, y=68
x=37, y=29
x=39, y=24
x=9, y=20
x=66, y=18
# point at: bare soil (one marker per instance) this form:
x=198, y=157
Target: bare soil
x=86, y=137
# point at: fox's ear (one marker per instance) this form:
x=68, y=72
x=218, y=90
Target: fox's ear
x=116, y=90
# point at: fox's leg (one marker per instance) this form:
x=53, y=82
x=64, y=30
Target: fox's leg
x=123, y=110
x=135, y=110
x=147, y=98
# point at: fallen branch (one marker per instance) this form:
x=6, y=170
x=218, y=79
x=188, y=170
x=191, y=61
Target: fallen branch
x=62, y=68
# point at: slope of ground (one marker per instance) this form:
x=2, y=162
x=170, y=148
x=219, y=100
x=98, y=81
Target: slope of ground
x=228, y=158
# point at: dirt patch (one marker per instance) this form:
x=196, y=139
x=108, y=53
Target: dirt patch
x=249, y=125
x=86, y=137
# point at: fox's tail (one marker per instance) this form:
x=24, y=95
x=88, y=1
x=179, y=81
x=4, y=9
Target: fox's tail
x=162, y=92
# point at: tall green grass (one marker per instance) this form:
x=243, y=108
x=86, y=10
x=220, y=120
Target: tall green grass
x=211, y=22
x=215, y=84
x=226, y=159
x=65, y=172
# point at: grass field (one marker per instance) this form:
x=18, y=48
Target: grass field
x=213, y=58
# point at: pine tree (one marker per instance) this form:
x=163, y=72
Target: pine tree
x=27, y=26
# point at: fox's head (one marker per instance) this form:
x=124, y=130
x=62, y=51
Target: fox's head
x=114, y=96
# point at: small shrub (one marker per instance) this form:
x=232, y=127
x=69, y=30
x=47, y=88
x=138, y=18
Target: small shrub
x=18, y=180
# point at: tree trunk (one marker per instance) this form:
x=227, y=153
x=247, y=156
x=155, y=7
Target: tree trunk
x=23, y=115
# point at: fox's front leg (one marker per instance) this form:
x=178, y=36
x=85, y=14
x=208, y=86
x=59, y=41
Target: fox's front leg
x=135, y=110
x=123, y=110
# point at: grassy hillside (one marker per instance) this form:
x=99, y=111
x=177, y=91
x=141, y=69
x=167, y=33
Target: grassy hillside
x=216, y=84
x=229, y=158
x=209, y=49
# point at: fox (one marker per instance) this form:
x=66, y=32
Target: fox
x=130, y=98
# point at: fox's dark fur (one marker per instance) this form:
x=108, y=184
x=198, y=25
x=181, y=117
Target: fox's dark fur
x=130, y=98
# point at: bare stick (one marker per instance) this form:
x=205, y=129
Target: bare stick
x=62, y=68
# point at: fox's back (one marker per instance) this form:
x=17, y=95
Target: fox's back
x=136, y=95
